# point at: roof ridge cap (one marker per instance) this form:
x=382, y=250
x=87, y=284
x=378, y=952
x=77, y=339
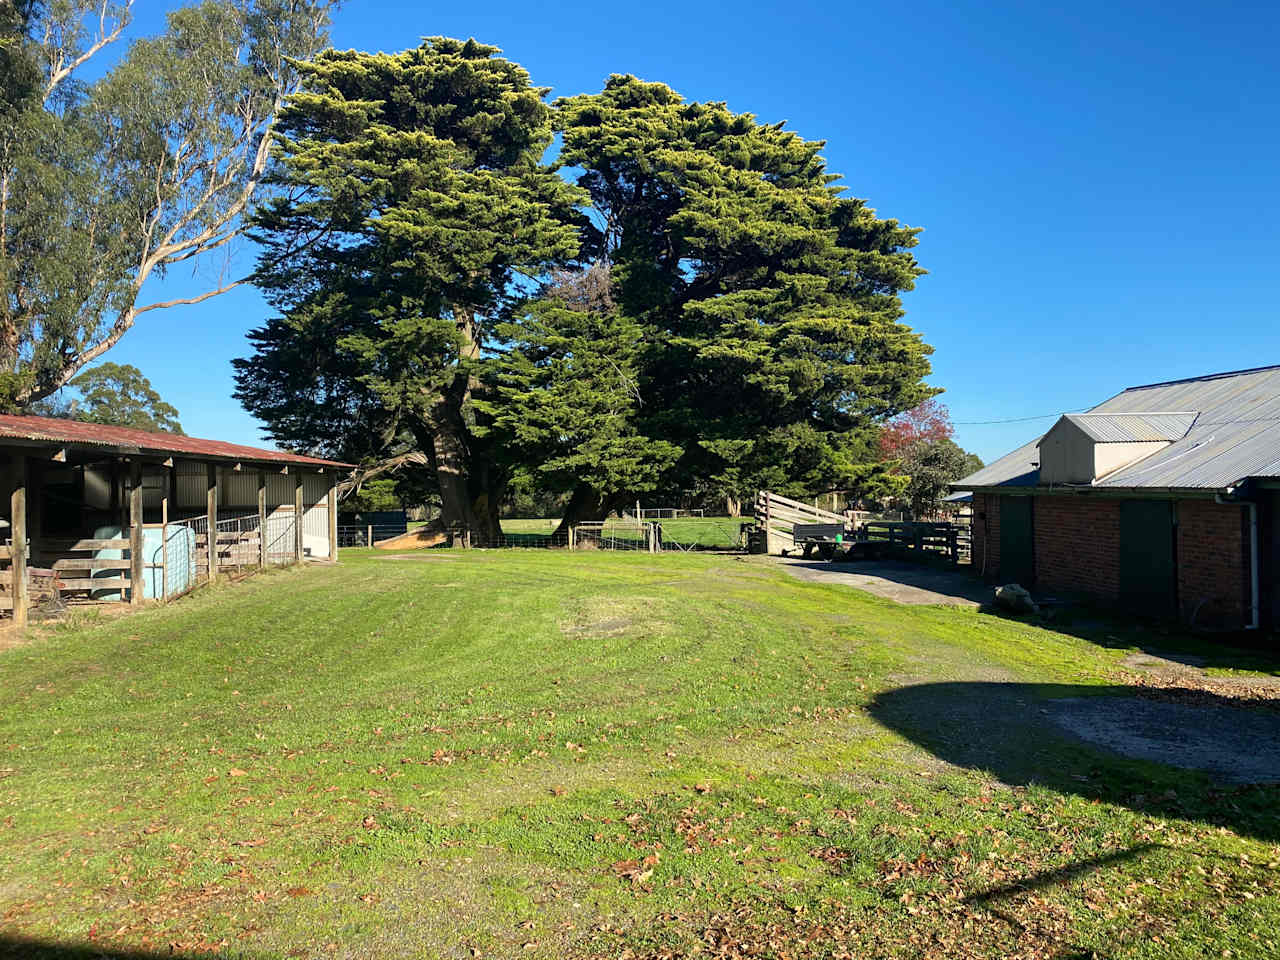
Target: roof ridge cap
x=1206, y=376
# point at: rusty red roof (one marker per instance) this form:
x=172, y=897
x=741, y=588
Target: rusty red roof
x=75, y=433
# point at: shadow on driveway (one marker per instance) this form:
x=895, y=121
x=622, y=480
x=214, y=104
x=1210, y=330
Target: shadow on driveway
x=1170, y=752
x=897, y=580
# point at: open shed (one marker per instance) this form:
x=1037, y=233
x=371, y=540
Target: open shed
x=112, y=513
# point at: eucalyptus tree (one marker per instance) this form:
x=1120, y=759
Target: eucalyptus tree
x=106, y=184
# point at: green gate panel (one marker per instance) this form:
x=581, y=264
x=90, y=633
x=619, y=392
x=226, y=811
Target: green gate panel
x=1148, y=577
x=1017, y=541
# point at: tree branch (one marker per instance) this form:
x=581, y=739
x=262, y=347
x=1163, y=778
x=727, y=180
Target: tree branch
x=60, y=69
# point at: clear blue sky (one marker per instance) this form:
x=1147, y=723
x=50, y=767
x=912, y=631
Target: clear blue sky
x=1099, y=183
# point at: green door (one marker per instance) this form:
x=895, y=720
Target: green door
x=1017, y=551
x=1148, y=582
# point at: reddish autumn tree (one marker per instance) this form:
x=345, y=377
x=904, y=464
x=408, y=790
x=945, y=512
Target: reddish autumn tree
x=926, y=422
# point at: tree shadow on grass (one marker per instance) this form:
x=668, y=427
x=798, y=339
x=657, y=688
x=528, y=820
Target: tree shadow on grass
x=15, y=946
x=1257, y=651
x=1170, y=752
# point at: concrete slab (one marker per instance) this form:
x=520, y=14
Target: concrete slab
x=896, y=580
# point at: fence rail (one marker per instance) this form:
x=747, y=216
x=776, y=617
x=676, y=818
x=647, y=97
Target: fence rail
x=942, y=539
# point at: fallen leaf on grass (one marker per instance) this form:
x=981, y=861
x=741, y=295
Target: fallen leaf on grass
x=637, y=871
x=237, y=772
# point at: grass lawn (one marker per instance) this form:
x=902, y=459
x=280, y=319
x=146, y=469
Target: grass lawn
x=546, y=754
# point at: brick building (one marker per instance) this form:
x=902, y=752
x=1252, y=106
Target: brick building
x=1163, y=500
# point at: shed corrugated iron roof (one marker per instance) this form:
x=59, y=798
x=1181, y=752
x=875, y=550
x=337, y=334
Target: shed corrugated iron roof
x=1236, y=436
x=128, y=439
x=1132, y=427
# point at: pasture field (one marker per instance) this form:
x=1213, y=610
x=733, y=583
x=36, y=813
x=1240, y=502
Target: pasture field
x=704, y=533
x=554, y=754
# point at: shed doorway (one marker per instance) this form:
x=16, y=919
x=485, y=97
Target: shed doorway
x=1148, y=578
x=1017, y=541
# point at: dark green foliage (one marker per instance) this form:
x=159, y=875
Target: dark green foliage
x=113, y=393
x=932, y=465
x=412, y=196
x=562, y=402
x=767, y=304
x=732, y=322
x=374, y=495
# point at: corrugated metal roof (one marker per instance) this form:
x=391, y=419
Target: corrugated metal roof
x=127, y=439
x=1133, y=427
x=1235, y=436
x=1021, y=468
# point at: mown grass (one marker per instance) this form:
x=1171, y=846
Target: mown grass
x=548, y=754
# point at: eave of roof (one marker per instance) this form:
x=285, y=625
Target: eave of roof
x=127, y=440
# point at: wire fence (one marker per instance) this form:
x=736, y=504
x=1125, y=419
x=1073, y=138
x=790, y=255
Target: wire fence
x=614, y=535
x=186, y=562
x=190, y=566
x=366, y=535
x=710, y=533
x=685, y=533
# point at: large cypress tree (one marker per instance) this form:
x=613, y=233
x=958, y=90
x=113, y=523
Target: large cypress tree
x=413, y=197
x=766, y=304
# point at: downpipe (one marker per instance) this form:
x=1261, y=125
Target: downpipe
x=1255, y=602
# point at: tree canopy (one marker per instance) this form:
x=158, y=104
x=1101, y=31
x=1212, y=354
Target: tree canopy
x=918, y=446
x=107, y=184
x=766, y=302
x=704, y=311
x=413, y=190
x=113, y=393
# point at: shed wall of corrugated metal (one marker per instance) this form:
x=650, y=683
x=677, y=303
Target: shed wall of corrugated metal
x=315, y=500
x=192, y=485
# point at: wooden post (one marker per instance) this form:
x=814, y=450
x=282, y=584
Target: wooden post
x=371, y=536
x=164, y=530
x=768, y=525
x=211, y=506
x=18, y=533
x=333, y=517
x=135, y=534
x=299, y=515
x=262, y=519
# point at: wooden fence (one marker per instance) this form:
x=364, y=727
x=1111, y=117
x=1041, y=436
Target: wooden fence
x=922, y=538
x=779, y=516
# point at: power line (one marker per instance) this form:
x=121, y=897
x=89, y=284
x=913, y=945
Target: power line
x=1043, y=416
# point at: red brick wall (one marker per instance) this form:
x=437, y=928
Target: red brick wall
x=986, y=534
x=1077, y=545
x=1213, y=563
x=1077, y=550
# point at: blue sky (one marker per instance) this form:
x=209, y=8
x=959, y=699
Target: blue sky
x=1099, y=183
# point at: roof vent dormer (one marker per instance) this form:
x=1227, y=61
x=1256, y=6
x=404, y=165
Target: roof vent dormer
x=1084, y=447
